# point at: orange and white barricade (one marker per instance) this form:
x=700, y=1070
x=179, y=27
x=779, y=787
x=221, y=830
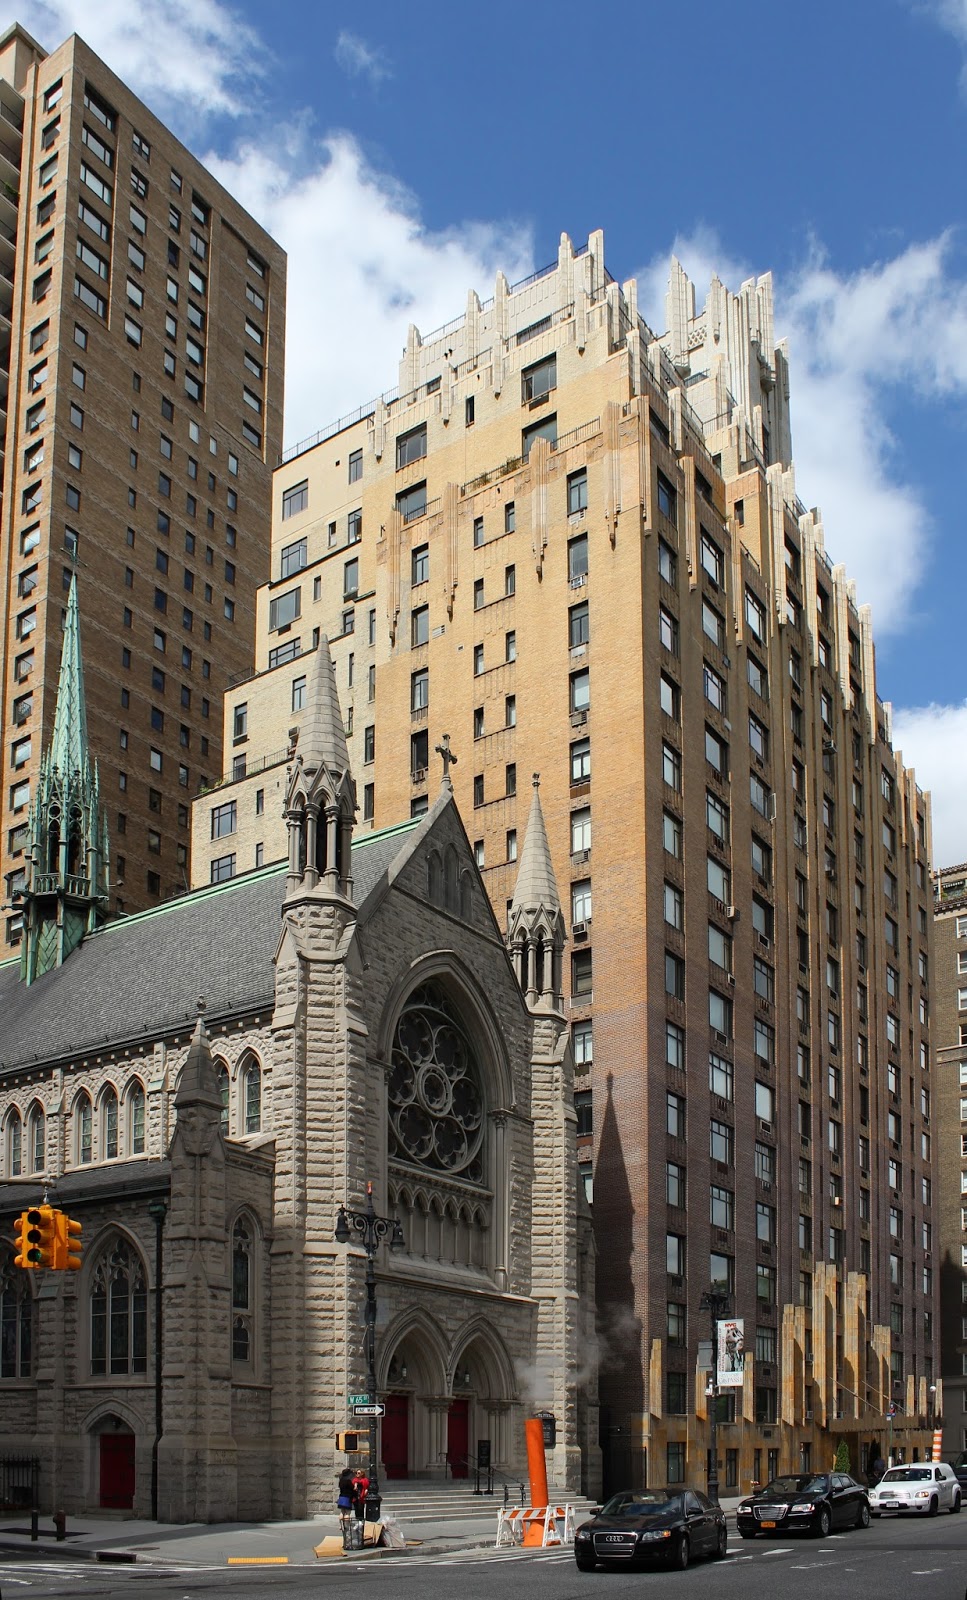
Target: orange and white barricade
x=535, y=1527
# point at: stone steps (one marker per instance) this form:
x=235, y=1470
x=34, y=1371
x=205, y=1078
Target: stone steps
x=415, y=1500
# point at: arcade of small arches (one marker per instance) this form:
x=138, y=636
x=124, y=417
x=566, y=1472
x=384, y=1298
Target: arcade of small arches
x=442, y=1394
x=111, y=1124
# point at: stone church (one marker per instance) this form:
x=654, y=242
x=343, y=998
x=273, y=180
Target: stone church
x=203, y=1085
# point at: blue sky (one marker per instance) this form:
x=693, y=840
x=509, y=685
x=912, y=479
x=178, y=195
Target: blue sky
x=402, y=154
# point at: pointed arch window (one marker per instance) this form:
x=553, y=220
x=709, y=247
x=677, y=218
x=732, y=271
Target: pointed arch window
x=14, y=1150
x=242, y=1291
x=109, y=1125
x=119, y=1312
x=136, y=1118
x=221, y=1074
x=37, y=1139
x=84, y=1129
x=16, y=1321
x=253, y=1097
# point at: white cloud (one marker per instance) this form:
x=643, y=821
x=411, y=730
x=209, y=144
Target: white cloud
x=933, y=739
x=857, y=341
x=358, y=60
x=197, y=55
x=362, y=267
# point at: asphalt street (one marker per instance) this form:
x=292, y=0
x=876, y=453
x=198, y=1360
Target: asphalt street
x=889, y=1561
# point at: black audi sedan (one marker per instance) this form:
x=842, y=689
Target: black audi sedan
x=670, y=1525
x=804, y=1502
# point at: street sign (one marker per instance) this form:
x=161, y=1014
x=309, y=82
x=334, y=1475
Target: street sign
x=358, y=1399
x=377, y=1410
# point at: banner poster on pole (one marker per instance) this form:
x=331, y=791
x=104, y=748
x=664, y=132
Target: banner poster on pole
x=730, y=1353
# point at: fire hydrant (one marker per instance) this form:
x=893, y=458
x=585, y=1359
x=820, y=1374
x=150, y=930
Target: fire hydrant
x=60, y=1524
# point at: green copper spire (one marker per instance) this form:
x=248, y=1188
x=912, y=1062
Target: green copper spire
x=68, y=748
x=67, y=876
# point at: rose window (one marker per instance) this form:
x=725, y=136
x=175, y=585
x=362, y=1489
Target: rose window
x=435, y=1099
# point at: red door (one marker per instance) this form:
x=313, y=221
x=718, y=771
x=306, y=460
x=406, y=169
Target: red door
x=117, y=1471
x=458, y=1437
x=396, y=1435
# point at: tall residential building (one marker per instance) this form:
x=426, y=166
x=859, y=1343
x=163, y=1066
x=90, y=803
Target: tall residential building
x=949, y=995
x=141, y=361
x=576, y=548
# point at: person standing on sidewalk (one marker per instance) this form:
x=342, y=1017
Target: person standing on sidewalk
x=360, y=1491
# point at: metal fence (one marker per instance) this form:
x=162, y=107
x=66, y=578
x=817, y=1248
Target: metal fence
x=19, y=1482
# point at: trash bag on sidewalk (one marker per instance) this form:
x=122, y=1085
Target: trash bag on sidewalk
x=393, y=1535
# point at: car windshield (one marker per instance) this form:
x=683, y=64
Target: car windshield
x=647, y=1503
x=907, y=1475
x=804, y=1483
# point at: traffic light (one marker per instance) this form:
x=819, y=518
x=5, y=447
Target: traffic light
x=36, y=1238
x=347, y=1441
x=20, y=1240
x=67, y=1244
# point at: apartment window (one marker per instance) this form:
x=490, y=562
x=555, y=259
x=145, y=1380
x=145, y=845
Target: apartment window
x=672, y=767
x=224, y=819
x=667, y=563
x=581, y=830
x=711, y=558
x=419, y=690
x=411, y=503
x=716, y=752
x=577, y=492
x=581, y=901
x=420, y=626
x=350, y=579
x=755, y=615
x=675, y=1256
x=577, y=558
x=721, y=1142
x=668, y=630
x=671, y=832
x=719, y=947
x=579, y=630
x=411, y=446
x=223, y=869
x=510, y=645
x=674, y=975
x=295, y=499
x=721, y=1076
x=581, y=973
x=674, y=904
x=284, y=609
x=721, y=1207
x=675, y=1046
x=580, y=691
x=667, y=499
x=713, y=625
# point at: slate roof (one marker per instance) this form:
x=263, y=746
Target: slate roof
x=92, y=1184
x=142, y=975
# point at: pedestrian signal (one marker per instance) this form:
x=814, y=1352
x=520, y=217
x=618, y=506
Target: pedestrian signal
x=347, y=1441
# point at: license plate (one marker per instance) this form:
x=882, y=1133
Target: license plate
x=766, y=1524
x=892, y=1505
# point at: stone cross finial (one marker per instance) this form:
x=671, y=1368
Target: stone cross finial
x=448, y=758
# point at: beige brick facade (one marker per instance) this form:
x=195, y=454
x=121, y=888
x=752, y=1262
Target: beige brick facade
x=577, y=549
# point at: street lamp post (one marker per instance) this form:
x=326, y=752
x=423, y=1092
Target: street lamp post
x=373, y=1231
x=716, y=1303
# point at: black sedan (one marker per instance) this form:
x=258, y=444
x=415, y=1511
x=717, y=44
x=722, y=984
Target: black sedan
x=670, y=1525
x=805, y=1502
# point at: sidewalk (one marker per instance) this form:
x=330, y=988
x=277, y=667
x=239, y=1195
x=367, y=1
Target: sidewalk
x=214, y=1544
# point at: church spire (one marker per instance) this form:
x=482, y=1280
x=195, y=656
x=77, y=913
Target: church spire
x=67, y=877
x=536, y=927
x=320, y=801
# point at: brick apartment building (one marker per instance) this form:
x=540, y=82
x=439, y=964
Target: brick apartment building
x=949, y=1027
x=141, y=362
x=576, y=548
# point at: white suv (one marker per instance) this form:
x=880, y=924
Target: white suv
x=924, y=1486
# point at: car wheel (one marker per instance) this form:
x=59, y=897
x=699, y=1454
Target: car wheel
x=584, y=1563
x=722, y=1544
x=955, y=1504
x=934, y=1506
x=746, y=1533
x=863, y=1515
x=680, y=1557
x=823, y=1522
